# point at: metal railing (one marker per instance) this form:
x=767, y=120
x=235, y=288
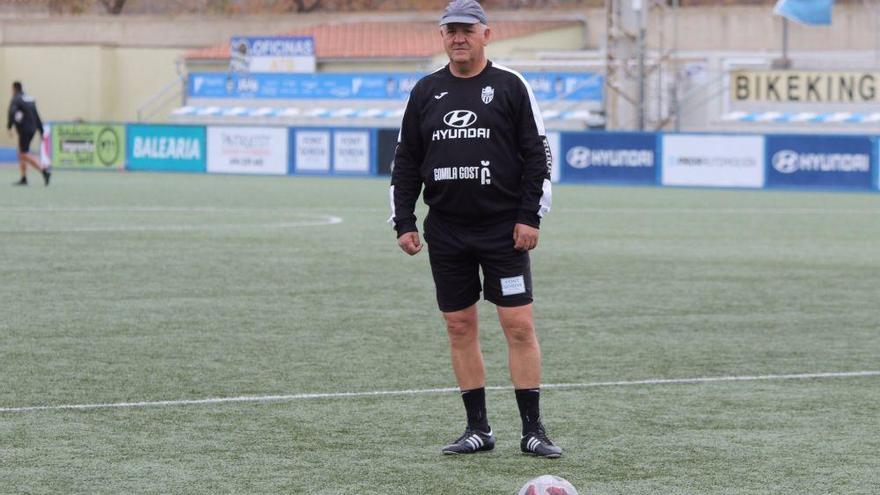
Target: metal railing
x=175, y=89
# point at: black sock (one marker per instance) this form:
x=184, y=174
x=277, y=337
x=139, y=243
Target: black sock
x=475, y=405
x=528, y=400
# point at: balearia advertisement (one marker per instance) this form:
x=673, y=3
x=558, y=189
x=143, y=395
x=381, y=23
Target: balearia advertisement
x=167, y=148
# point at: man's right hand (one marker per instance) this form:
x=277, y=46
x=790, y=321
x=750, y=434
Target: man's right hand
x=410, y=243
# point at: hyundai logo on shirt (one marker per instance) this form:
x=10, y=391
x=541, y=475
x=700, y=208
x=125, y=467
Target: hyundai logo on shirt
x=460, y=118
x=461, y=122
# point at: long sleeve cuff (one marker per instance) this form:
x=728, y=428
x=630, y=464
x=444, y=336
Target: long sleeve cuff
x=530, y=218
x=404, y=227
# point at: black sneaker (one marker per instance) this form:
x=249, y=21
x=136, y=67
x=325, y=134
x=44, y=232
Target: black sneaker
x=536, y=443
x=470, y=442
x=47, y=174
x=21, y=182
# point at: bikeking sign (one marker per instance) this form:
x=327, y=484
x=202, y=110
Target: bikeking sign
x=812, y=87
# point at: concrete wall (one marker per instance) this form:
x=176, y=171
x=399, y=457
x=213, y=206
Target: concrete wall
x=104, y=68
x=569, y=38
x=700, y=28
x=741, y=28
x=89, y=82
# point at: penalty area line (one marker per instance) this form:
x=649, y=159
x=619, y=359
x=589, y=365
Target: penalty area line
x=424, y=391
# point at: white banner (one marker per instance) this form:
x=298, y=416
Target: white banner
x=720, y=161
x=46, y=146
x=553, y=139
x=351, y=151
x=247, y=150
x=272, y=54
x=312, y=150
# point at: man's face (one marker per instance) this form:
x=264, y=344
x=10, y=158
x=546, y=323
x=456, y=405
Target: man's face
x=464, y=43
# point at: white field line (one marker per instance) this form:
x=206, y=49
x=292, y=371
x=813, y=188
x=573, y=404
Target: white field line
x=164, y=209
x=732, y=211
x=376, y=393
x=371, y=209
x=328, y=220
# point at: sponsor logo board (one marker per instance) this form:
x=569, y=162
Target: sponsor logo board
x=272, y=54
x=627, y=158
x=351, y=151
x=88, y=146
x=819, y=161
x=166, y=148
x=713, y=161
x=808, y=87
x=247, y=150
x=311, y=151
x=577, y=87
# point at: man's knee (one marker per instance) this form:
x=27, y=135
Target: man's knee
x=461, y=326
x=519, y=326
x=521, y=333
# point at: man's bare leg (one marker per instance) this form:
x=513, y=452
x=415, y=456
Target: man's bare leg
x=523, y=351
x=524, y=356
x=32, y=161
x=22, y=165
x=467, y=362
x=464, y=344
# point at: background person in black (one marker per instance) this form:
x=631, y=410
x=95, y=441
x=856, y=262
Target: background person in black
x=24, y=116
x=472, y=134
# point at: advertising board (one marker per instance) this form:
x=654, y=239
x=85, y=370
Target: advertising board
x=247, y=150
x=172, y=148
x=77, y=145
x=311, y=151
x=609, y=157
x=351, y=151
x=712, y=160
x=569, y=86
x=835, y=162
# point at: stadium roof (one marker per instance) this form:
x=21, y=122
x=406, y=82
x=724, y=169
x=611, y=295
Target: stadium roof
x=384, y=39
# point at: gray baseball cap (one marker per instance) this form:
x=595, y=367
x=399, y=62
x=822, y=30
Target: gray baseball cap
x=464, y=12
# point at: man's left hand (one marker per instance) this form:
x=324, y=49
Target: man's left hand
x=525, y=237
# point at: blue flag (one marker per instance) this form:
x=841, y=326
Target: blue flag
x=813, y=12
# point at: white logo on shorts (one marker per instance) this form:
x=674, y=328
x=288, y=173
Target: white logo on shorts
x=513, y=285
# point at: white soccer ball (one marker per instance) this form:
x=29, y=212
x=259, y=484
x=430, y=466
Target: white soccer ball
x=547, y=485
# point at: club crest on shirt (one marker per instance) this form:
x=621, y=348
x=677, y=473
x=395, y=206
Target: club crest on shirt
x=487, y=94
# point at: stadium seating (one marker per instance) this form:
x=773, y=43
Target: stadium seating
x=558, y=115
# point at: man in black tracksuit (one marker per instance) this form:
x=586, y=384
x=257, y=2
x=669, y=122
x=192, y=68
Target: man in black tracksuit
x=24, y=116
x=473, y=136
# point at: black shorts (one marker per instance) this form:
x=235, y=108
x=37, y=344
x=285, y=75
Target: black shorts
x=24, y=140
x=457, y=252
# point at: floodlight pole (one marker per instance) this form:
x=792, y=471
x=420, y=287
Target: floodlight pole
x=676, y=100
x=640, y=8
x=785, y=40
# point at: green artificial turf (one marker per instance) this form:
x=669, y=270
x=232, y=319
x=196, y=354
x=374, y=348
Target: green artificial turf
x=164, y=287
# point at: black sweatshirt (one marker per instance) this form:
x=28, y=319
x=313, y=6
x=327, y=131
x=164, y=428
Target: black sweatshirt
x=479, y=147
x=23, y=113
